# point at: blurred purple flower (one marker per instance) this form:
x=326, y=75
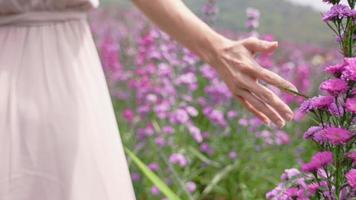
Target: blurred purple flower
x=155, y=191
x=191, y=186
x=179, y=159
x=232, y=155
x=153, y=166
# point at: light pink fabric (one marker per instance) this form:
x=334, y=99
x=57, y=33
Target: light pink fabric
x=59, y=139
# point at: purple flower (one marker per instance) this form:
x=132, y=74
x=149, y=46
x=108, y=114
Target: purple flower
x=349, y=72
x=155, y=191
x=335, y=70
x=313, y=188
x=351, y=105
x=231, y=114
x=319, y=160
x=320, y=102
x=336, y=136
x=351, y=178
x=294, y=193
x=180, y=116
x=282, y=138
x=160, y=141
x=128, y=115
x=135, y=176
x=334, y=86
x=153, y=166
x=309, y=167
x=191, y=186
x=311, y=131
x=196, y=133
x=352, y=156
x=335, y=110
x=179, y=159
x=205, y=148
x=289, y=174
x=232, y=155
x=336, y=12
x=303, y=109
x=168, y=130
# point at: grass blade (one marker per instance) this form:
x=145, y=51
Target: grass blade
x=152, y=176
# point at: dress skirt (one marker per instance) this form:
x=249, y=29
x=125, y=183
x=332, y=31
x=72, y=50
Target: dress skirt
x=59, y=138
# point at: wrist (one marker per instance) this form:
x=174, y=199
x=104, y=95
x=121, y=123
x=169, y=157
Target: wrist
x=211, y=48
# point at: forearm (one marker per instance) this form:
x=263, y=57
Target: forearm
x=173, y=17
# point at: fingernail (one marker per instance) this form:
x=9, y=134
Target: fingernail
x=293, y=88
x=280, y=124
x=268, y=123
x=290, y=116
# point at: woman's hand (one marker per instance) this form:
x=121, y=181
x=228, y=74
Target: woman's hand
x=233, y=60
x=235, y=63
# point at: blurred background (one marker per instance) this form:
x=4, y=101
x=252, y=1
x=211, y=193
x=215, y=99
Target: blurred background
x=179, y=118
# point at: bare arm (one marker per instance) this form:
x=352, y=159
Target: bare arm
x=233, y=60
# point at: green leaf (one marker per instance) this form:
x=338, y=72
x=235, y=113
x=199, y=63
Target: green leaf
x=152, y=176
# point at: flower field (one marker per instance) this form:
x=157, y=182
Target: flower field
x=182, y=122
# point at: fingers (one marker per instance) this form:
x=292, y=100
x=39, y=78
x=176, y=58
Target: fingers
x=255, y=70
x=257, y=45
x=252, y=109
x=269, y=97
x=273, y=79
x=262, y=107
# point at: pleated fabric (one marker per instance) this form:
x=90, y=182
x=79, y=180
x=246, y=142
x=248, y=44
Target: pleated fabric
x=59, y=139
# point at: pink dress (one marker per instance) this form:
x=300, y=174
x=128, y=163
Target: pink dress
x=59, y=138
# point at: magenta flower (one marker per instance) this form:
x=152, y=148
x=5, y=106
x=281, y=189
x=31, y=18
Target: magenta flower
x=334, y=86
x=336, y=136
x=321, y=102
x=335, y=70
x=349, y=72
x=351, y=105
x=352, y=156
x=319, y=160
x=351, y=178
x=155, y=191
x=313, y=188
x=128, y=115
x=309, y=167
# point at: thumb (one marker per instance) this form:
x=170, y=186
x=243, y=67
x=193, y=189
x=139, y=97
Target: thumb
x=257, y=45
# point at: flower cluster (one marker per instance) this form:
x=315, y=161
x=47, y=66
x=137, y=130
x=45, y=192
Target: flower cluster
x=331, y=172
x=178, y=115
